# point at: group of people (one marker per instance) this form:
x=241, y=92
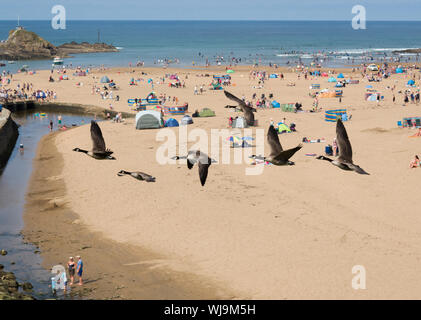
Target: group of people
x=59, y=281
x=25, y=91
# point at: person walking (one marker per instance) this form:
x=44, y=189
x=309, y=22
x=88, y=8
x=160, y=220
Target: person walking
x=79, y=269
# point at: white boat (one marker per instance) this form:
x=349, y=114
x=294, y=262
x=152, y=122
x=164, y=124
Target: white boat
x=11, y=62
x=57, y=61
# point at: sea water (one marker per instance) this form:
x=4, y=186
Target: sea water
x=333, y=43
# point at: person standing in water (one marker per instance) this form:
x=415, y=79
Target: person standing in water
x=71, y=267
x=51, y=125
x=79, y=269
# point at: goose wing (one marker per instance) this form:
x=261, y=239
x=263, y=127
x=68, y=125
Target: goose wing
x=203, y=172
x=240, y=102
x=287, y=154
x=248, y=111
x=97, y=138
x=345, y=149
x=273, y=140
x=249, y=116
x=146, y=177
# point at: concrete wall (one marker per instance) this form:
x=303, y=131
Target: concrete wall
x=8, y=136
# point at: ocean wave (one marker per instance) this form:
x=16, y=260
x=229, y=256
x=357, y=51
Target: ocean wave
x=119, y=48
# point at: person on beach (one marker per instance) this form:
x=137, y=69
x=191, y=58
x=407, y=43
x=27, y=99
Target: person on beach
x=79, y=269
x=71, y=267
x=415, y=163
x=51, y=125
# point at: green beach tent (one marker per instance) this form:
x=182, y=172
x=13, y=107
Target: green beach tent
x=230, y=71
x=206, y=112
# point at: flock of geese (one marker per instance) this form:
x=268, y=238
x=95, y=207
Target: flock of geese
x=277, y=156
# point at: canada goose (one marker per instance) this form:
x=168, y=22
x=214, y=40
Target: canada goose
x=137, y=175
x=247, y=110
x=344, y=160
x=278, y=156
x=98, y=150
x=203, y=162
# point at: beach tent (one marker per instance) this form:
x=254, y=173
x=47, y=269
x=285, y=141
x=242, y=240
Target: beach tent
x=186, y=120
x=399, y=70
x=240, y=122
x=341, y=76
x=273, y=76
x=282, y=127
x=275, y=104
x=171, y=122
x=332, y=79
x=105, y=79
x=206, y=112
x=230, y=71
x=148, y=119
x=339, y=85
x=411, y=82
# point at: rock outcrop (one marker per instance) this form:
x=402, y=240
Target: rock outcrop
x=23, y=45
x=26, y=45
x=85, y=47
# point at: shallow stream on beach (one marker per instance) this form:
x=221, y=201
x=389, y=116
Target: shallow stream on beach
x=23, y=259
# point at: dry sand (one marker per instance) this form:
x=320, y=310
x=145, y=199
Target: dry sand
x=291, y=232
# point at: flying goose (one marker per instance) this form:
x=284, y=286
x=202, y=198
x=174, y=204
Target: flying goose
x=98, y=150
x=278, y=156
x=202, y=160
x=247, y=110
x=344, y=160
x=137, y=175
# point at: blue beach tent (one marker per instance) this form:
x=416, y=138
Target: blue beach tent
x=105, y=79
x=171, y=122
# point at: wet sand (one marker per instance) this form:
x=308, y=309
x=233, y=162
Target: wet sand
x=112, y=270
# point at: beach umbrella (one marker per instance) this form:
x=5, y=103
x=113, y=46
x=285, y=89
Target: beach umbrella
x=411, y=82
x=341, y=76
x=248, y=138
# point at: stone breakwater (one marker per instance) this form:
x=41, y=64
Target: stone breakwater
x=8, y=136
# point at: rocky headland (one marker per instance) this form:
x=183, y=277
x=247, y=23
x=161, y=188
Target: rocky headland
x=27, y=45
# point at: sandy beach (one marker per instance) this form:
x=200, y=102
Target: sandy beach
x=292, y=232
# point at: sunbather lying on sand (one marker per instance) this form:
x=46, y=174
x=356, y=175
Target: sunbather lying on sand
x=415, y=163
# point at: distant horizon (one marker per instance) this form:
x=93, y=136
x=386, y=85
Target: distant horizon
x=216, y=20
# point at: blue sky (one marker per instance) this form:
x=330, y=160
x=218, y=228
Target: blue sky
x=211, y=9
